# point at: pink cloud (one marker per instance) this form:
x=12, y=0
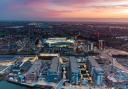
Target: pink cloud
x=42, y=9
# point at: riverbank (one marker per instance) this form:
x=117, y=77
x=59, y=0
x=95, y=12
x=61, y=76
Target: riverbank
x=8, y=85
x=33, y=85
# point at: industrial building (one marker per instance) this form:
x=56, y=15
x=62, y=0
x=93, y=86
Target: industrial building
x=33, y=73
x=95, y=70
x=90, y=46
x=25, y=67
x=15, y=69
x=74, y=71
x=54, y=74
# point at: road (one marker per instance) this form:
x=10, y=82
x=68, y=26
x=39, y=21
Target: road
x=60, y=84
x=107, y=54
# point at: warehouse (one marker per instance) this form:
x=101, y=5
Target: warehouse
x=96, y=71
x=33, y=73
x=55, y=72
x=74, y=71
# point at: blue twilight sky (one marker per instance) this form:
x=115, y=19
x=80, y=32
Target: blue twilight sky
x=64, y=10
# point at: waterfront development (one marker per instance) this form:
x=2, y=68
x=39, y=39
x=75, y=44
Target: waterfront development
x=63, y=61
x=63, y=44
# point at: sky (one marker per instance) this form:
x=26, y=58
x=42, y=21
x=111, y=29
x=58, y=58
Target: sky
x=64, y=10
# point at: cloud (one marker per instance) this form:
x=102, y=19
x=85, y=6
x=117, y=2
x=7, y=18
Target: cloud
x=49, y=9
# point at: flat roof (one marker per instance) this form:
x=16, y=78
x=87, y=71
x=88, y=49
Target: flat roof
x=74, y=65
x=55, y=64
x=94, y=63
x=36, y=66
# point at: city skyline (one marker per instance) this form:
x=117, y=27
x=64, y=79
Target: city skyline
x=62, y=10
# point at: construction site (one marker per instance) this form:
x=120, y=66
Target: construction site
x=85, y=67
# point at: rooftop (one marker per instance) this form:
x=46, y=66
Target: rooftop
x=58, y=40
x=54, y=65
x=94, y=63
x=36, y=66
x=74, y=65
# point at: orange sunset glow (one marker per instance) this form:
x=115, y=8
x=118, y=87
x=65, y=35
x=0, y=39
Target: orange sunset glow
x=64, y=10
